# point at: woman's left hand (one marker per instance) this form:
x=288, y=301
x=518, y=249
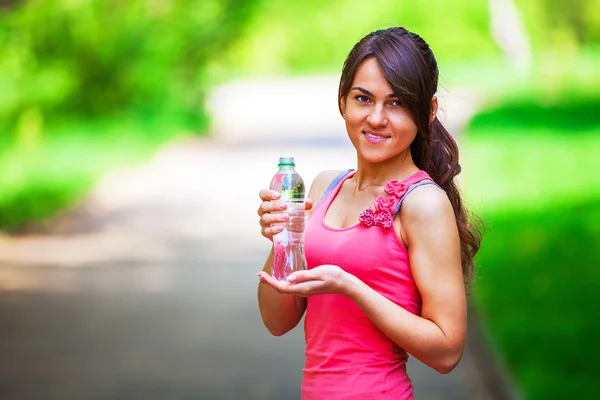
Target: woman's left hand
x=324, y=279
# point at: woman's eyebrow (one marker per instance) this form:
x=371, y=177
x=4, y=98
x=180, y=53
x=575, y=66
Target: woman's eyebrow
x=365, y=91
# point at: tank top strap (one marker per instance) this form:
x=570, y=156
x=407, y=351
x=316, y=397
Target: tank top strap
x=333, y=184
x=413, y=187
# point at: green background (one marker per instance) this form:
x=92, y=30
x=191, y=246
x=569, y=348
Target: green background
x=108, y=82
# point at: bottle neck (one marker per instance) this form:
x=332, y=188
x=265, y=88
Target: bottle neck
x=286, y=168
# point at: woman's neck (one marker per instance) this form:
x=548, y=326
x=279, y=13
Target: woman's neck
x=379, y=174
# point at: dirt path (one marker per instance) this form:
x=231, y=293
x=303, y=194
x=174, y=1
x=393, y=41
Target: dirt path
x=149, y=289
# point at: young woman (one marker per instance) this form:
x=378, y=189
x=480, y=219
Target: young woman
x=389, y=246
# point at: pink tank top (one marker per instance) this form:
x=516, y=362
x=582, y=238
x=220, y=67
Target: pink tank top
x=347, y=356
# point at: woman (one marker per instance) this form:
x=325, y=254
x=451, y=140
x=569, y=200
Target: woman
x=389, y=246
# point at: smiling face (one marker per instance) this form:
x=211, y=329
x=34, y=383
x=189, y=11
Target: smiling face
x=379, y=126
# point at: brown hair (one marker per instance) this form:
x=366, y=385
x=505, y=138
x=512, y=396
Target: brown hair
x=411, y=69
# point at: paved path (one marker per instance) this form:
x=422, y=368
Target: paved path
x=148, y=291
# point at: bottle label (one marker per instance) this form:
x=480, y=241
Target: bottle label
x=293, y=194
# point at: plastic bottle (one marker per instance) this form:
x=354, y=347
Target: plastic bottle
x=288, y=245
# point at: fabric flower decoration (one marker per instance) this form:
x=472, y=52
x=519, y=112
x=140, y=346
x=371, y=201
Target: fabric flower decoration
x=396, y=188
x=383, y=214
x=384, y=219
x=367, y=217
x=382, y=204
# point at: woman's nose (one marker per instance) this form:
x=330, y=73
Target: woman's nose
x=377, y=117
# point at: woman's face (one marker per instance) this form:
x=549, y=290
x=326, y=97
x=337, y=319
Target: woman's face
x=378, y=124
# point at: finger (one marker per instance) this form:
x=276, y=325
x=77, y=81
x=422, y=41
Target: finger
x=268, y=195
x=274, y=218
x=280, y=286
x=272, y=230
x=271, y=206
x=296, y=224
x=261, y=275
x=308, y=204
x=303, y=289
x=303, y=276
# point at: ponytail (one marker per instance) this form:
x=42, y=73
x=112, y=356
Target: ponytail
x=436, y=152
x=411, y=69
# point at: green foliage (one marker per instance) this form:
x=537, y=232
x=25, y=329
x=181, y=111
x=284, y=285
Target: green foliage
x=40, y=181
x=537, y=270
x=533, y=145
x=561, y=26
x=73, y=73
x=530, y=162
x=572, y=116
x=90, y=85
x=71, y=58
x=540, y=168
x=537, y=284
x=314, y=36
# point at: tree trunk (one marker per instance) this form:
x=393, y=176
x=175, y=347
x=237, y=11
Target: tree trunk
x=509, y=33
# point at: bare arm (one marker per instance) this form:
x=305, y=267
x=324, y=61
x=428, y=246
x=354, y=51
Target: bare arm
x=281, y=312
x=437, y=337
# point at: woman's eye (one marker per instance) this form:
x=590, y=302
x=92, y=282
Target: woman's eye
x=362, y=99
x=396, y=103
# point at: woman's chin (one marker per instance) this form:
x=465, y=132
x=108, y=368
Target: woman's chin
x=374, y=157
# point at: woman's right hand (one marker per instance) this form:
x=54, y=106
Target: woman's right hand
x=273, y=213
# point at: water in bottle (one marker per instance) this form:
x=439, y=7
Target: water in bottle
x=288, y=245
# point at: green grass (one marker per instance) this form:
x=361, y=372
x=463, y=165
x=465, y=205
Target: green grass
x=573, y=116
x=537, y=284
x=531, y=152
x=531, y=170
x=556, y=79
x=59, y=169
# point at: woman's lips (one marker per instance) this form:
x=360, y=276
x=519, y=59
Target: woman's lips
x=375, y=138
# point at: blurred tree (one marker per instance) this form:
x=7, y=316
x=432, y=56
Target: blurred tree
x=7, y=3
x=315, y=37
x=508, y=31
x=562, y=25
x=88, y=58
x=572, y=14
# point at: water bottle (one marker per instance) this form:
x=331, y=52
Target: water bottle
x=288, y=245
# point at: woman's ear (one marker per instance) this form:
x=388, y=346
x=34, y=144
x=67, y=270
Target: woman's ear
x=343, y=106
x=434, y=109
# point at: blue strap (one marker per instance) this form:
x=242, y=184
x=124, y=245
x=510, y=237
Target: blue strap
x=334, y=184
x=411, y=188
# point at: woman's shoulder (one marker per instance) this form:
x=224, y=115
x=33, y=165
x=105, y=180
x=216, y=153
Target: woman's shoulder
x=320, y=185
x=426, y=216
x=322, y=182
x=425, y=202
x=326, y=177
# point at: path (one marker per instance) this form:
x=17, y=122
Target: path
x=148, y=291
